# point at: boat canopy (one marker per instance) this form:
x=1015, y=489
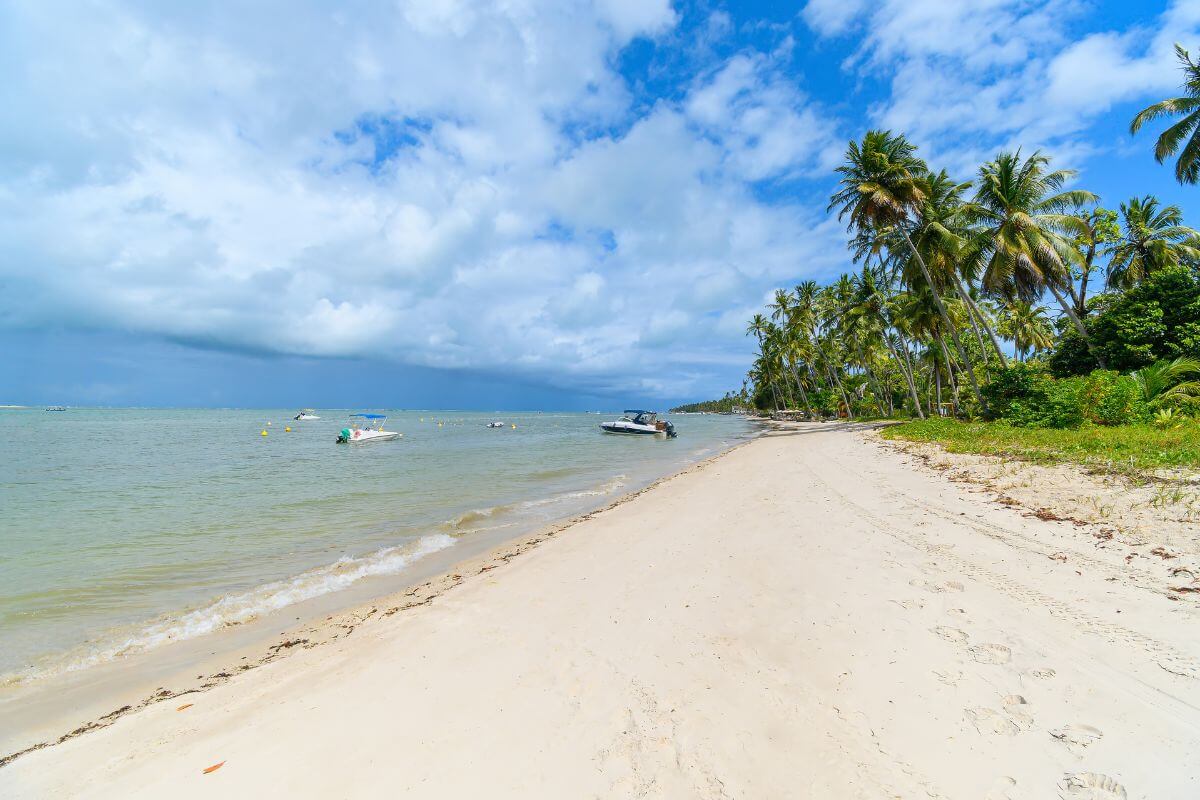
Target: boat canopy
x=369, y=416
x=637, y=411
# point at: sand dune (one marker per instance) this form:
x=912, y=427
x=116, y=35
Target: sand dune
x=813, y=615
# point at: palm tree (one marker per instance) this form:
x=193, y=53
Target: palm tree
x=883, y=185
x=1098, y=231
x=1028, y=326
x=1150, y=240
x=947, y=245
x=794, y=341
x=1025, y=213
x=1187, y=167
x=1162, y=383
x=872, y=306
x=760, y=327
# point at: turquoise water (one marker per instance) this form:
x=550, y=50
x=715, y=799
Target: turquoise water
x=124, y=529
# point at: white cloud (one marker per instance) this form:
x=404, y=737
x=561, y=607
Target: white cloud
x=970, y=77
x=170, y=171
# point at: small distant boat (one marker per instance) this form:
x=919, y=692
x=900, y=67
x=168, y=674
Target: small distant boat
x=56, y=408
x=496, y=424
x=306, y=414
x=366, y=428
x=640, y=423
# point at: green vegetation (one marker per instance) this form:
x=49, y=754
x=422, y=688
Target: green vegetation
x=1126, y=449
x=729, y=404
x=971, y=300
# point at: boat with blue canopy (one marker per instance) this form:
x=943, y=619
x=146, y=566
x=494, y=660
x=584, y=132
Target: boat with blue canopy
x=365, y=428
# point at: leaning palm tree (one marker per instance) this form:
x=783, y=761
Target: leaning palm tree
x=1025, y=213
x=1163, y=383
x=1151, y=239
x=883, y=185
x=1187, y=167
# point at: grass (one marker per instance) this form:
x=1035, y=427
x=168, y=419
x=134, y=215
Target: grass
x=1127, y=449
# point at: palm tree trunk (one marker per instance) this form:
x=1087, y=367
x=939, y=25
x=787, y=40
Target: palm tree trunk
x=939, y=393
x=870, y=377
x=975, y=313
x=949, y=374
x=908, y=378
x=1078, y=324
x=800, y=386
x=941, y=307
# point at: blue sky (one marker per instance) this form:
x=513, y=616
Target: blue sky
x=494, y=205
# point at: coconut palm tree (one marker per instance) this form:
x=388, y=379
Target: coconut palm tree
x=1025, y=213
x=1028, y=326
x=1151, y=239
x=948, y=246
x=883, y=185
x=1187, y=166
x=760, y=327
x=1163, y=383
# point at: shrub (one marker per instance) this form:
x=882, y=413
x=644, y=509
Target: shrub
x=1157, y=319
x=1110, y=398
x=1018, y=382
x=1055, y=404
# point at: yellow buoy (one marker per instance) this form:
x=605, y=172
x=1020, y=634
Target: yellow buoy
x=287, y=430
x=514, y=427
x=264, y=432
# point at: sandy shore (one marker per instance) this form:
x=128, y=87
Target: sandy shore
x=812, y=615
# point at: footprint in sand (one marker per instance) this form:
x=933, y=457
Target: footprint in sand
x=990, y=722
x=1090, y=786
x=935, y=586
x=1077, y=737
x=1017, y=708
x=952, y=635
x=990, y=653
x=1001, y=788
x=1043, y=674
x=950, y=677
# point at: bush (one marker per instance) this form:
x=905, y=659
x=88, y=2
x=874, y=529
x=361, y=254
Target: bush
x=1055, y=404
x=1157, y=319
x=1018, y=382
x=1110, y=398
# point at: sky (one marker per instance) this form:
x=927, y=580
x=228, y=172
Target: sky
x=505, y=204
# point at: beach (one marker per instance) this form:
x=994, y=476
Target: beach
x=812, y=614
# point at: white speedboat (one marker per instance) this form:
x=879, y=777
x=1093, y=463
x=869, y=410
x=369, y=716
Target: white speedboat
x=366, y=428
x=496, y=424
x=306, y=414
x=640, y=423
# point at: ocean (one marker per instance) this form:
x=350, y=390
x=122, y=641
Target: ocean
x=124, y=529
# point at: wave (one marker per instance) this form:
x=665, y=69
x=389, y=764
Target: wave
x=477, y=520
x=242, y=607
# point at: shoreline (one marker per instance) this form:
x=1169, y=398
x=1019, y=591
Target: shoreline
x=808, y=614
x=241, y=647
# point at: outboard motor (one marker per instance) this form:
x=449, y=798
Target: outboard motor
x=670, y=430
x=344, y=436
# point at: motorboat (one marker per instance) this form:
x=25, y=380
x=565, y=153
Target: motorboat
x=366, y=428
x=640, y=423
x=56, y=408
x=496, y=424
x=306, y=414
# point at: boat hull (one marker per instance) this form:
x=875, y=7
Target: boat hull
x=625, y=430
x=364, y=437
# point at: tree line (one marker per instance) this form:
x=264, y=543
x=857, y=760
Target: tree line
x=950, y=271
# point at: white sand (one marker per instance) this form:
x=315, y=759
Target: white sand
x=812, y=615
